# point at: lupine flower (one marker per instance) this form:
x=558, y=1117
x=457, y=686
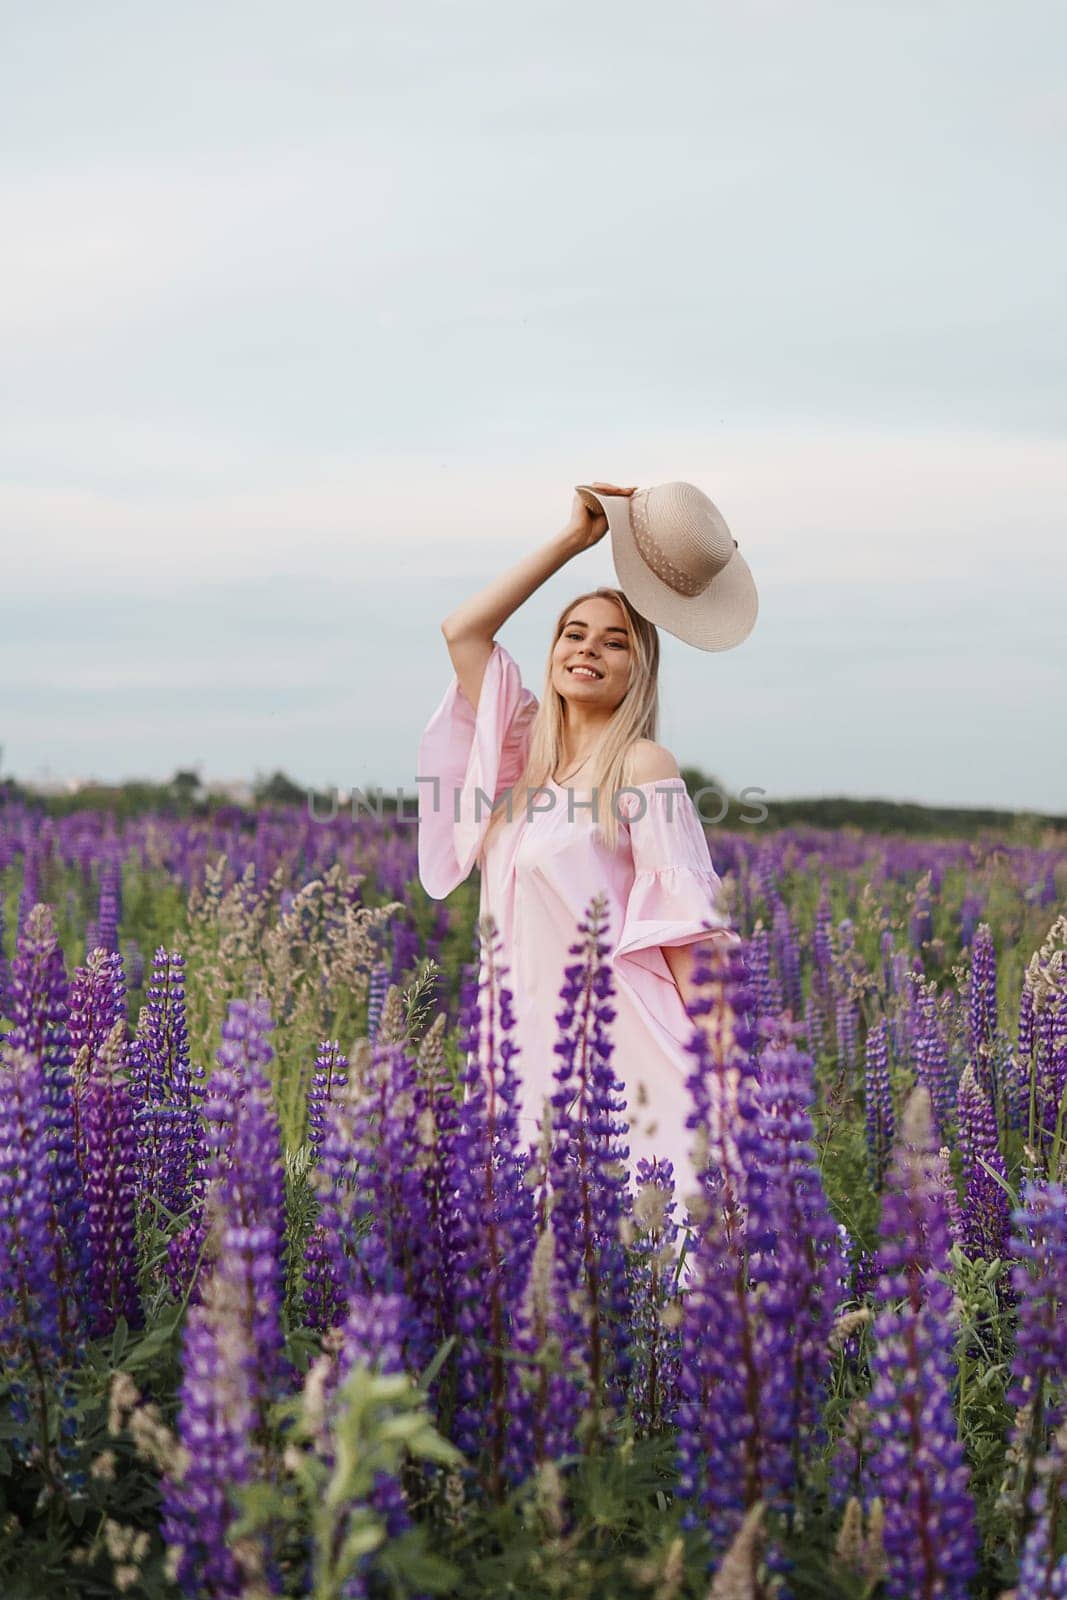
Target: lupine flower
x=656, y=1339
x=328, y=1079
x=109, y=912
x=878, y=1100
x=493, y=1215
x=587, y=1167
x=379, y=984
x=110, y=1172
x=982, y=1010
x=918, y=1469
x=375, y=1236
x=1039, y=1280
x=721, y=1418
x=39, y=1011
x=30, y=1337
x=164, y=1082
x=218, y=1448
x=801, y=1273
x=932, y=1064
x=985, y=1214
x=1042, y=1567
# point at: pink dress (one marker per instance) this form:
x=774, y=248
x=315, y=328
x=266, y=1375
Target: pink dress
x=539, y=874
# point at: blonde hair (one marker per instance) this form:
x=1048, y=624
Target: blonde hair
x=635, y=717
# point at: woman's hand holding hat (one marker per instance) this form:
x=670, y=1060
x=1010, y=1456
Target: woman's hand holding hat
x=588, y=524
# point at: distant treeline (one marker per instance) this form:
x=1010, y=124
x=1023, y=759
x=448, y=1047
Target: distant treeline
x=183, y=795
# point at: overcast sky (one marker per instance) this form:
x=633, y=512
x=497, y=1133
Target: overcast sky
x=311, y=317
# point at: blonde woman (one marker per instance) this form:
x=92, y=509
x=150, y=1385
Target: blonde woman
x=585, y=801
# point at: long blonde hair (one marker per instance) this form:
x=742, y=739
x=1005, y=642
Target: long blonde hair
x=635, y=717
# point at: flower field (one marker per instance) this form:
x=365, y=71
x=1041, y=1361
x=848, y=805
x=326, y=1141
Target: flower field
x=286, y=1308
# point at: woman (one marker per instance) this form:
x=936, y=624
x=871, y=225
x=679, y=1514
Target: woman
x=623, y=826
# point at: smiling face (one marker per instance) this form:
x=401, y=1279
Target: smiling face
x=595, y=636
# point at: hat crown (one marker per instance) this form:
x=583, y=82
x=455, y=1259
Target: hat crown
x=681, y=535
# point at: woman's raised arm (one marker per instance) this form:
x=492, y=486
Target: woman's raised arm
x=470, y=630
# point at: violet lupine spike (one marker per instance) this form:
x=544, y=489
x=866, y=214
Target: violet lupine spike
x=493, y=1219
x=986, y=1203
x=377, y=1231
x=329, y=1078
x=653, y=1388
x=803, y=1273
x=5, y=968
x=31, y=1344
x=97, y=1001
x=39, y=1010
x=110, y=1169
x=932, y=1065
x=878, y=1101
x=548, y=1377
x=588, y=1167
x=788, y=956
x=239, y=1071
x=982, y=1010
x=768, y=990
x=218, y=1453
x=918, y=1467
x=720, y=1442
x=1042, y=1563
x=109, y=911
x=377, y=990
x=1038, y=1247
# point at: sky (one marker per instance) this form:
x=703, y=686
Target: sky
x=311, y=318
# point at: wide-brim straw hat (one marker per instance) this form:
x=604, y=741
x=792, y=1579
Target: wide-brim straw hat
x=678, y=563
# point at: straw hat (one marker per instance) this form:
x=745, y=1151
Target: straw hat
x=678, y=563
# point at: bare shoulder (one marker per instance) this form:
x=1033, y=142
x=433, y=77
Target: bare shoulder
x=652, y=762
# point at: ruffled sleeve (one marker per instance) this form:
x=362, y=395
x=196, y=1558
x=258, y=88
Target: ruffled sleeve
x=464, y=756
x=675, y=895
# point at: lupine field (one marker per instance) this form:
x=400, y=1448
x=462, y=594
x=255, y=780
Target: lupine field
x=287, y=1309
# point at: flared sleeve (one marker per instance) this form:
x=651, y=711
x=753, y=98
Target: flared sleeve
x=467, y=758
x=674, y=899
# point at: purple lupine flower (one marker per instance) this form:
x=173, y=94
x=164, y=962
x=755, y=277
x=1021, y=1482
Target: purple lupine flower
x=918, y=1467
x=97, y=1001
x=167, y=1111
x=588, y=1168
x=653, y=1389
x=1039, y=1280
x=493, y=1215
x=932, y=1064
x=323, y=1304
x=878, y=1100
x=377, y=991
x=329, y=1077
x=5, y=969
x=1042, y=1563
x=982, y=1010
x=239, y=1071
x=219, y=1452
x=372, y=1205
x=110, y=1170
x=986, y=1205
x=788, y=956
x=721, y=1417
x=31, y=1341
x=768, y=990
x=850, y=1461
x=803, y=1273
x=39, y=1010
x=371, y=1336
x=109, y=911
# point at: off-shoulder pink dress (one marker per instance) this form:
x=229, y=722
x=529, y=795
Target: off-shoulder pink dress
x=539, y=873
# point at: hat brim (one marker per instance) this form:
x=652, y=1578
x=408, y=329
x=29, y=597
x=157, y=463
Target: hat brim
x=720, y=617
